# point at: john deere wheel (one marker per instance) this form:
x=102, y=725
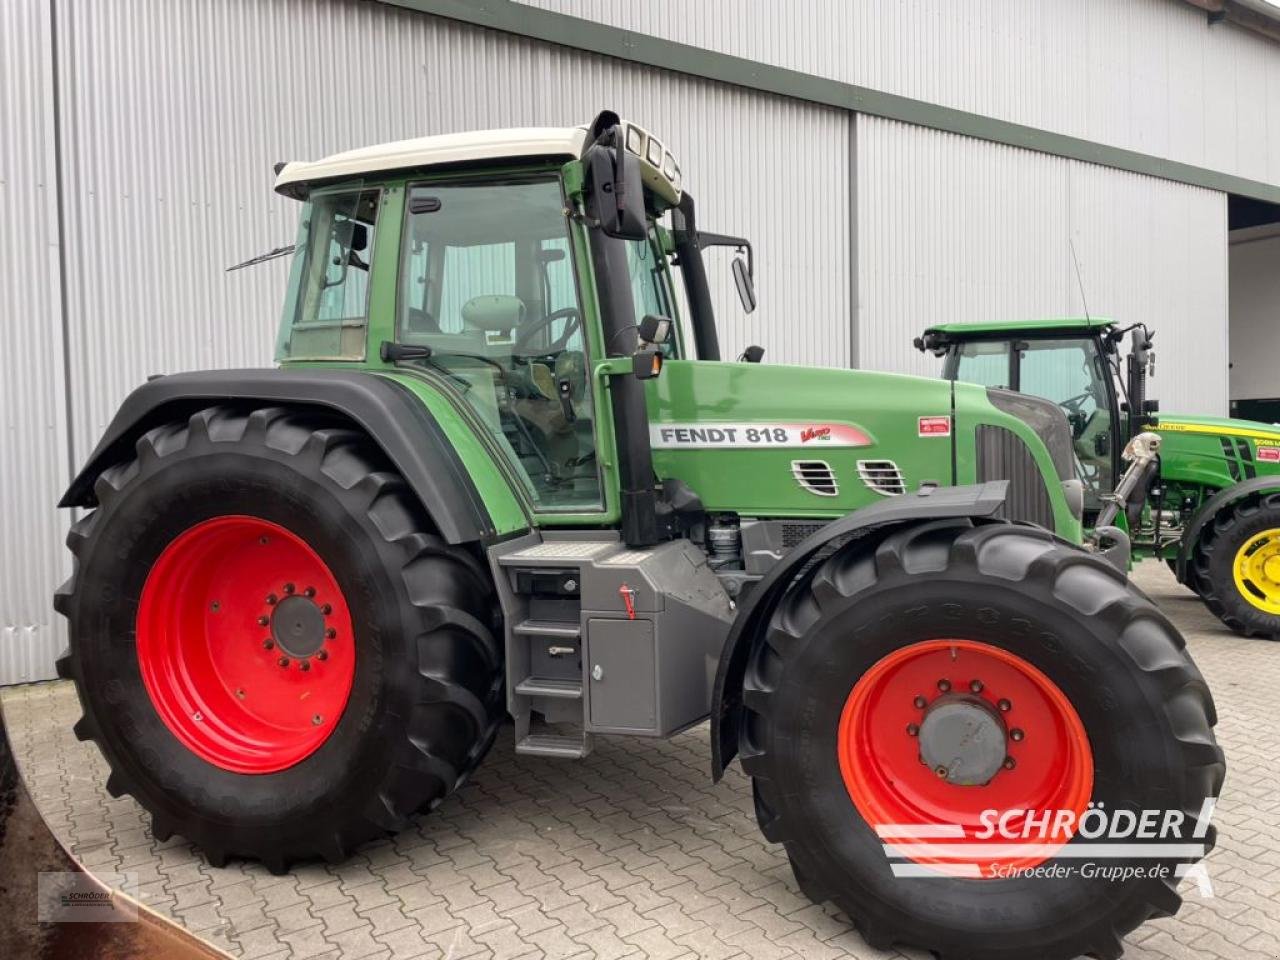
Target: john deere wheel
x=275, y=654
x=909, y=694
x=1237, y=564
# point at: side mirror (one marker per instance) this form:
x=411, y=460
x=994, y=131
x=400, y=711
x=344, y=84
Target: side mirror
x=614, y=185
x=654, y=329
x=746, y=288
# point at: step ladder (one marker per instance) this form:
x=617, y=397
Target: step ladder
x=545, y=678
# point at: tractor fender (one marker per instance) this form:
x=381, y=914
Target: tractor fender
x=392, y=417
x=1225, y=497
x=929, y=503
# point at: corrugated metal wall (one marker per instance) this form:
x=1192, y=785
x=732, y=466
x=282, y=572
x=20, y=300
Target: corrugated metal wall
x=956, y=229
x=1146, y=75
x=171, y=117
x=34, y=464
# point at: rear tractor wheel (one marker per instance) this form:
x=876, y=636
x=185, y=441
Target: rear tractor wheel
x=1237, y=566
x=276, y=655
x=934, y=724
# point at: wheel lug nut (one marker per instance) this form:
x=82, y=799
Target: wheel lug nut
x=263, y=541
x=289, y=588
x=304, y=666
x=975, y=686
x=309, y=592
x=944, y=685
x=941, y=772
x=913, y=730
x=268, y=644
x=331, y=633
x=920, y=703
x=263, y=621
x=272, y=599
x=1016, y=735
x=317, y=720
x=240, y=694
x=322, y=654
x=1005, y=706
x=283, y=661
x=1010, y=763
x=326, y=609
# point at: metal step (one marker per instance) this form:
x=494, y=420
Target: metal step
x=550, y=687
x=550, y=745
x=561, y=630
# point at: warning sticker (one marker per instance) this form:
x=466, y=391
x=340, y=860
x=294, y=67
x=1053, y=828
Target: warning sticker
x=1269, y=454
x=935, y=426
x=745, y=436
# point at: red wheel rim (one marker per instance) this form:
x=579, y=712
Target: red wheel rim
x=1049, y=765
x=245, y=644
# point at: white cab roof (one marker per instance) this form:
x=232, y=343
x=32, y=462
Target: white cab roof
x=566, y=142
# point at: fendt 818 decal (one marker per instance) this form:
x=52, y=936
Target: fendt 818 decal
x=691, y=436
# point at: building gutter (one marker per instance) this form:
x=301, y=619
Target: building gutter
x=588, y=36
x=1256, y=16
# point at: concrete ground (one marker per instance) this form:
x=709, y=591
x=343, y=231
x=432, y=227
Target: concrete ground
x=629, y=853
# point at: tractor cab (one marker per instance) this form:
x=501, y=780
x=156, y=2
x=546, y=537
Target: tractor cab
x=1075, y=363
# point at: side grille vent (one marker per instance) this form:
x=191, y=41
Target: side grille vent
x=816, y=476
x=1003, y=456
x=882, y=476
x=793, y=532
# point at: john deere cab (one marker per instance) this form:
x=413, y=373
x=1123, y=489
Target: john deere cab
x=1207, y=501
x=498, y=474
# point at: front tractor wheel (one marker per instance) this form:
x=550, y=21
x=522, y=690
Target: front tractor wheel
x=936, y=723
x=275, y=653
x=1236, y=566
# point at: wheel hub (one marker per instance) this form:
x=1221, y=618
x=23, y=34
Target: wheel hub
x=963, y=739
x=297, y=627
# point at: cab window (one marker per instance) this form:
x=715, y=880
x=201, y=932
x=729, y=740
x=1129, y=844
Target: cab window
x=327, y=306
x=487, y=282
x=651, y=285
x=1072, y=374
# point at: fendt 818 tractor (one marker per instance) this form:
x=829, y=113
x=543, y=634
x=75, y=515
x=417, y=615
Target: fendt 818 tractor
x=1207, y=497
x=493, y=477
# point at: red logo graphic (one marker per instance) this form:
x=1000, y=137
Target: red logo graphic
x=818, y=433
x=1269, y=454
x=935, y=426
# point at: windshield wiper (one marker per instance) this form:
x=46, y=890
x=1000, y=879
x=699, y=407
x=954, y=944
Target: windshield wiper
x=264, y=257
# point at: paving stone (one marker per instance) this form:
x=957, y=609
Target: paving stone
x=631, y=852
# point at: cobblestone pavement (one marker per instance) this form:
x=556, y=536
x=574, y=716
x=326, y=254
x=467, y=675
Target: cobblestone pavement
x=629, y=853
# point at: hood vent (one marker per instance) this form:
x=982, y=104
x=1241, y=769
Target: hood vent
x=882, y=476
x=816, y=476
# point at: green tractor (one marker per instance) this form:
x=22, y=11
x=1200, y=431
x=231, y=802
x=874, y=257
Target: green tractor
x=494, y=477
x=1207, y=499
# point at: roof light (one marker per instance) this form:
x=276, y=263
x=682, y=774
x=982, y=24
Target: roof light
x=635, y=140
x=655, y=153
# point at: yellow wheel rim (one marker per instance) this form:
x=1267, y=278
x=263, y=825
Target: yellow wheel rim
x=1257, y=570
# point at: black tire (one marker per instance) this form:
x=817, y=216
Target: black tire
x=427, y=693
x=1145, y=708
x=1231, y=528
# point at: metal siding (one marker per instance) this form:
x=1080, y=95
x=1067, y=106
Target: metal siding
x=171, y=117
x=1145, y=75
x=34, y=466
x=955, y=229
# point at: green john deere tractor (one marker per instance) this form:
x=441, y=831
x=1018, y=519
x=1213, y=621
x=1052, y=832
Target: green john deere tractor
x=1207, y=497
x=492, y=476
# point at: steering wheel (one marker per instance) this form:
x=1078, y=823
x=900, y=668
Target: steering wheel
x=527, y=332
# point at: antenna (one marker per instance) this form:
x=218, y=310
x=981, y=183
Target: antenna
x=1079, y=279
